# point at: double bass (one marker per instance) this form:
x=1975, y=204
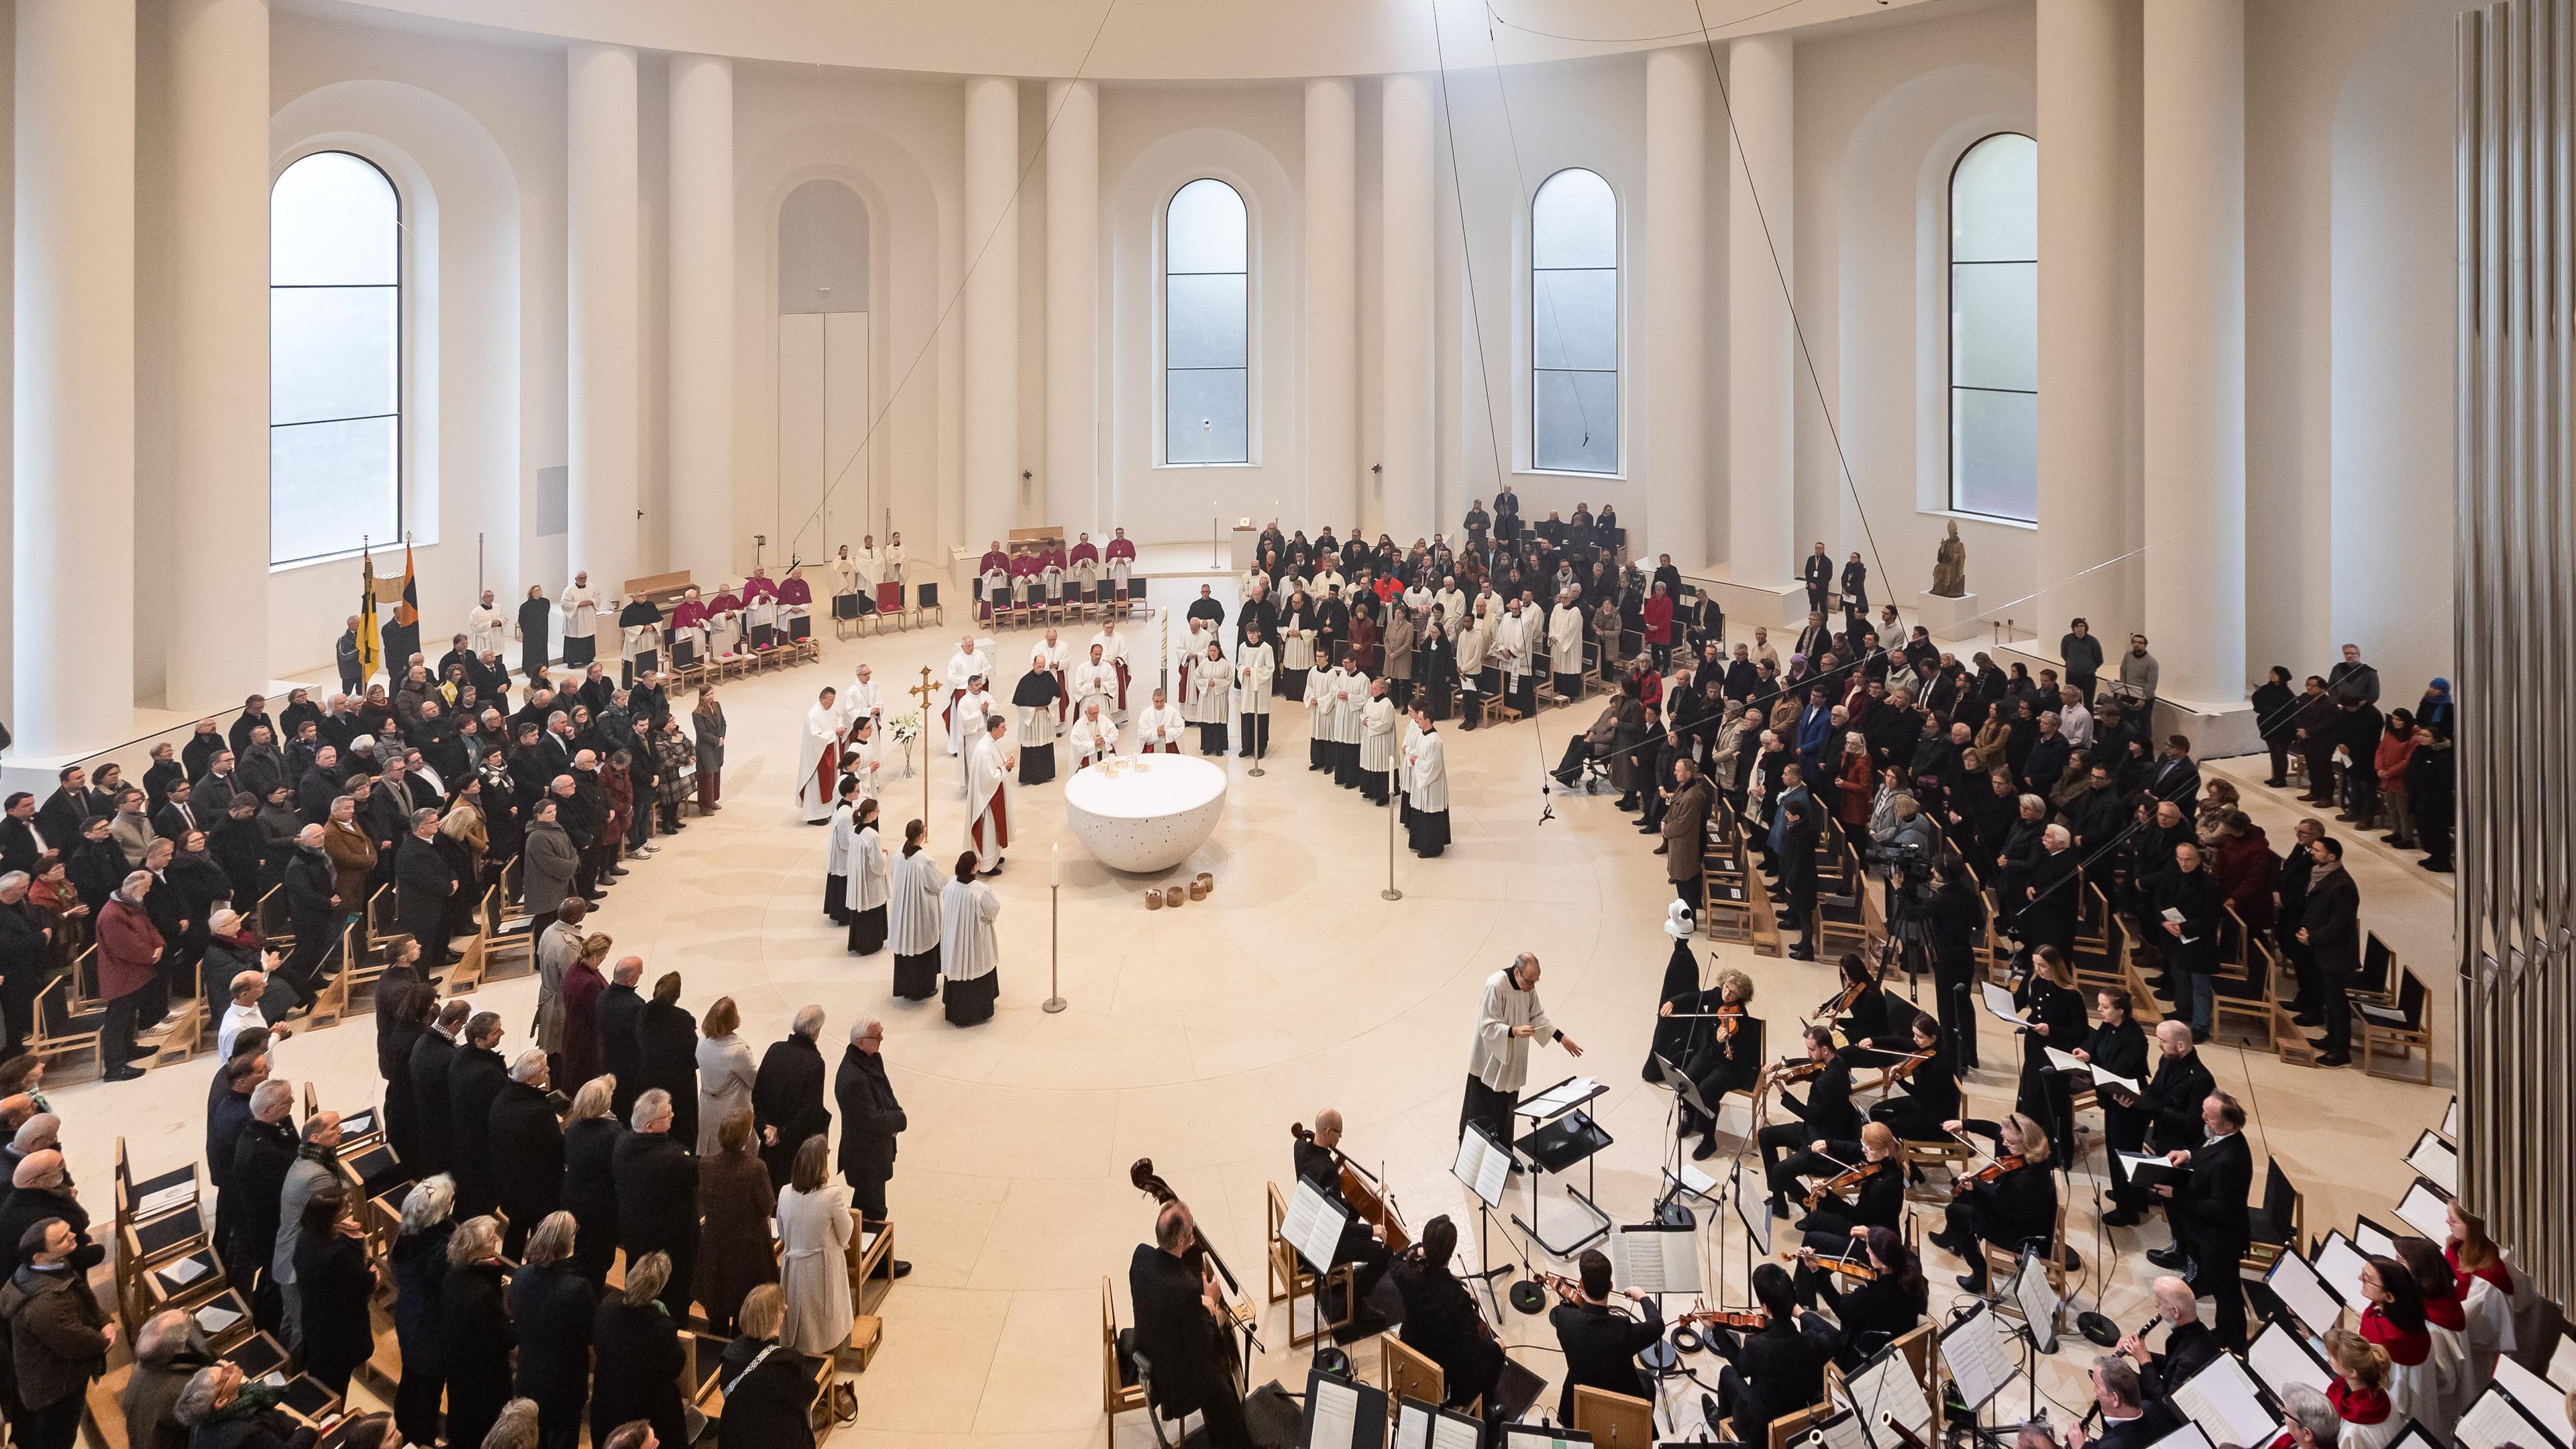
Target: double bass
x=1203, y=1256
x=1362, y=1197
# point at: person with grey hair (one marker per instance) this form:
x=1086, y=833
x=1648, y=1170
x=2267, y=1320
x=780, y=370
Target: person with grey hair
x=787, y=1095
x=474, y=1333
x=220, y=1416
x=168, y=1351
x=420, y=1273
x=525, y=1140
x=40, y=1131
x=316, y=1165
x=657, y=1197
x=2310, y=1417
x=516, y=1428
x=871, y=1118
x=423, y=880
x=26, y=942
x=552, y=1305
x=2127, y=1421
x=262, y=1156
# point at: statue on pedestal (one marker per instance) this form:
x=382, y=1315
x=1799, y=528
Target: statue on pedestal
x=1950, y=566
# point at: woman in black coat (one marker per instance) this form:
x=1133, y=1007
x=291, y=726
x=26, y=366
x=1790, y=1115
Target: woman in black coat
x=2054, y=1007
x=552, y=1306
x=333, y=1282
x=474, y=1334
x=2276, y=718
x=403, y=1010
x=768, y=1387
x=636, y=1355
x=1875, y=1311
x=420, y=1280
x=590, y=1177
x=666, y=1037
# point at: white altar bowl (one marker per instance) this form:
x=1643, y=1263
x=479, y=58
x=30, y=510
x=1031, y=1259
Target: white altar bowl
x=1149, y=820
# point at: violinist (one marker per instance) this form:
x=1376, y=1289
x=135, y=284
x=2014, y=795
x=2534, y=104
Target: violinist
x=1889, y=1302
x=1931, y=1087
x=2054, y=1008
x=2118, y=1045
x=1182, y=1328
x=1440, y=1318
x=1601, y=1346
x=1779, y=1369
x=1867, y=1169
x=2010, y=1202
x=1728, y=1056
x=1319, y=1161
x=1862, y=1011
x=1826, y=1115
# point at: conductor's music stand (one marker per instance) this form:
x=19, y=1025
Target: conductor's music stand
x=1565, y=1139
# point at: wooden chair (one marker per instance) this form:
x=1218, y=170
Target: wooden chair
x=1613, y=1419
x=1790, y=1430
x=1946, y=1153
x=2403, y=1028
x=1120, y=1390
x=2275, y=1227
x=2246, y=998
x=2003, y=1264
x=80, y=983
x=60, y=1032
x=1290, y=1279
x=329, y=1004
x=1405, y=1373
x=506, y=934
x=870, y=1255
x=174, y=1039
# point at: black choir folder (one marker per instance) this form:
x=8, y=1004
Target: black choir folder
x=1342, y=1414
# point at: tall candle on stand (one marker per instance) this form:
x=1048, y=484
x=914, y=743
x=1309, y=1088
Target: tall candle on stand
x=1055, y=858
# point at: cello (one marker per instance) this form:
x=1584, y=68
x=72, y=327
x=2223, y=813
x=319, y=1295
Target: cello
x=1202, y=1255
x=1361, y=1197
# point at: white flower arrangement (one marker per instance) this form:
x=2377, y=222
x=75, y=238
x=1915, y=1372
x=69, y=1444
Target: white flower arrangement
x=904, y=728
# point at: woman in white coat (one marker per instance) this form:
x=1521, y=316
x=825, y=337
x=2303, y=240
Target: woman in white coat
x=912, y=917
x=969, y=954
x=870, y=885
x=725, y=1072
x=814, y=1227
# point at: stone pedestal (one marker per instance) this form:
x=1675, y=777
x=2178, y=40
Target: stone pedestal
x=1949, y=619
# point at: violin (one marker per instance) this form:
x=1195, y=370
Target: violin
x=1751, y=1320
x=1858, y=1272
x=1201, y=1255
x=1796, y=1071
x=2009, y=1162
x=1363, y=1199
x=1844, y=1181
x=1730, y=1015
x=1841, y=1002
x=1567, y=1290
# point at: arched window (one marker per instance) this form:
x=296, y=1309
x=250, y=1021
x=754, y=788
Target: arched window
x=1207, y=397
x=334, y=358
x=1994, y=329
x=1574, y=324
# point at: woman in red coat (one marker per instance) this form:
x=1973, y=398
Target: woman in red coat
x=2244, y=869
x=1659, y=628
x=1856, y=783
x=129, y=947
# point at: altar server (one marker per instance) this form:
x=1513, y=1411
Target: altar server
x=581, y=605
x=912, y=916
x=977, y=709
x=1211, y=696
x=1052, y=650
x=836, y=852
x=1565, y=645
x=1254, y=667
x=988, y=819
x=818, y=760
x=1158, y=729
x=1378, y=721
x=1318, y=699
x=487, y=629
x=969, y=955
x=1095, y=736
x=1350, y=696
x=1426, y=789
x=869, y=885
x=863, y=757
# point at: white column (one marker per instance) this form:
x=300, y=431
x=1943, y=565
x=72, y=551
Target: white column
x=2194, y=393
x=1761, y=360
x=1332, y=352
x=219, y=341
x=2080, y=409
x=601, y=280
x=1676, y=451
x=992, y=308
x=1405, y=305
x=73, y=583
x=1073, y=308
x=702, y=316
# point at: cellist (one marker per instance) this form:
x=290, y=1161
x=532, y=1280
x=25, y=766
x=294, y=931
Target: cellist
x=1319, y=1161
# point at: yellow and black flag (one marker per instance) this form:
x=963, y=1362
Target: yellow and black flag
x=371, y=647
x=402, y=637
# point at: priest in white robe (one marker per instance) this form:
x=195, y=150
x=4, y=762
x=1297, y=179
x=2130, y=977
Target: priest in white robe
x=845, y=572
x=487, y=629
x=1516, y=637
x=1113, y=652
x=1094, y=679
x=867, y=568
x=870, y=886
x=860, y=698
x=818, y=760
x=997, y=593
x=1378, y=721
x=988, y=798
x=970, y=956
x=974, y=711
x=968, y=663
x=1565, y=646
x=1473, y=642
x=1052, y=649
x=1451, y=601
x=1256, y=666
x=1211, y=696
x=581, y=605
x=912, y=916
x=1159, y=727
x=836, y=852
x=1426, y=789
x=1094, y=737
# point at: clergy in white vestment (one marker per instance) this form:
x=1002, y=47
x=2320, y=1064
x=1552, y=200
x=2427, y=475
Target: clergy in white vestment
x=1508, y=1019
x=1565, y=646
x=1211, y=697
x=836, y=852
x=1378, y=720
x=968, y=663
x=639, y=634
x=974, y=710
x=1158, y=728
x=1095, y=736
x=688, y=628
x=892, y=566
x=1473, y=641
x=1319, y=718
x=760, y=610
x=818, y=760
x=860, y=698
x=1451, y=603
x=1426, y=789
x=580, y=605
x=988, y=798
x=969, y=955
x=1094, y=679
x=866, y=572
x=845, y=571
x=1518, y=636
x=912, y=916
x=725, y=637
x=1350, y=697
x=1255, y=668
x=1113, y=652
x=487, y=629
x=869, y=884
x=1035, y=699
x=997, y=590
x=1053, y=649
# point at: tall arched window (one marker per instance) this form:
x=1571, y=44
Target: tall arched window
x=334, y=358
x=1994, y=329
x=1207, y=396
x=1574, y=324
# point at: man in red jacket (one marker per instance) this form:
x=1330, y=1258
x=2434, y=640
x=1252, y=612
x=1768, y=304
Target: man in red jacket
x=129, y=947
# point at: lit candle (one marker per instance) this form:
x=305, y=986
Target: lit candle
x=1055, y=862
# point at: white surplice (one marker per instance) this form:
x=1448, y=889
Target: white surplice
x=1157, y=727
x=987, y=803
x=487, y=630
x=1377, y=735
x=869, y=885
x=1426, y=773
x=963, y=666
x=967, y=946
x=912, y=913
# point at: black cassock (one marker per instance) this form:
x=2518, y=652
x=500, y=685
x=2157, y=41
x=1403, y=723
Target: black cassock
x=1036, y=690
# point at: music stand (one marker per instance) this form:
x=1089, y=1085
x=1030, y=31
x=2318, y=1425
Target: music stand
x=1686, y=1093
x=1479, y=1158
x=1554, y=1149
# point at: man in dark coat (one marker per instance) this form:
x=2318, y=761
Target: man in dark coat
x=2187, y=932
x=2208, y=1212
x=2330, y=930
x=870, y=1120
x=1600, y=1348
x=787, y=1096
x=423, y=881
x=2172, y=1108
x=26, y=962
x=1177, y=1334
x=59, y=1335
x=657, y=1198
x=314, y=910
x=475, y=1077
x=260, y=1157
x=621, y=1009
x=431, y=1058
x=525, y=1140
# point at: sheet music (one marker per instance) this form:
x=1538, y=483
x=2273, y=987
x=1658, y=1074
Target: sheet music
x=1974, y=1353
x=1542, y=1436
x=1419, y=1428
x=2059, y=1061
x=2537, y=1397
x=1480, y=1166
x=2562, y=1363
x=1656, y=1259
x=166, y=1199
x=182, y=1273
x=2189, y=1436
x=2102, y=1078
x=2340, y=1264
x=2433, y=1158
x=1752, y=1191
x=2426, y=1211
x=1889, y=1387
x=1565, y=1094
x=1844, y=1431
x=1451, y=1431
x=1336, y=1414
x=1999, y=1002
x=2373, y=1240
x=215, y=1318
x=357, y=1124
x=2305, y=1293
x=2221, y=1399
x=2495, y=1421
x=2281, y=1358
x=2038, y=1301
x=2414, y=1437
x=1313, y=1226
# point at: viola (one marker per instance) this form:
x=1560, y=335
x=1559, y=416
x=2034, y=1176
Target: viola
x=1844, y=1181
